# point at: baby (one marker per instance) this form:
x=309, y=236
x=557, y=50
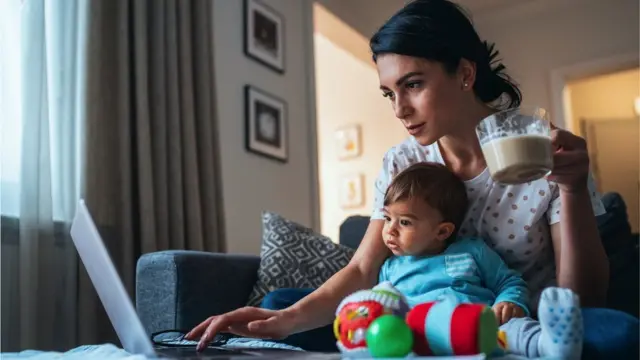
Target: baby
x=424, y=205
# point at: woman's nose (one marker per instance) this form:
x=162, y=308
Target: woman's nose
x=402, y=107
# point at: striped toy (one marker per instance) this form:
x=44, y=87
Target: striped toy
x=448, y=328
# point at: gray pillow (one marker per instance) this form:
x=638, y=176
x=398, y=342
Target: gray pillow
x=293, y=256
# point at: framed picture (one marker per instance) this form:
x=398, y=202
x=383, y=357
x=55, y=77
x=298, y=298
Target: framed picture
x=348, y=142
x=266, y=124
x=264, y=35
x=352, y=191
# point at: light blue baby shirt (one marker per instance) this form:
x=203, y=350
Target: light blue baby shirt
x=468, y=270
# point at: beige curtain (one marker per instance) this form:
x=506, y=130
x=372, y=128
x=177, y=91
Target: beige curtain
x=151, y=165
x=137, y=77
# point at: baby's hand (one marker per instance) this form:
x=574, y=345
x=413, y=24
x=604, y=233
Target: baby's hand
x=505, y=311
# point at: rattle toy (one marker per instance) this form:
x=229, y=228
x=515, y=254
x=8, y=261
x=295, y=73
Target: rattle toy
x=357, y=312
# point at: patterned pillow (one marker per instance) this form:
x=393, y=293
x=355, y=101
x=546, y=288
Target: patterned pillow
x=293, y=256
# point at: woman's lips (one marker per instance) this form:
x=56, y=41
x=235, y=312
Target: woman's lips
x=414, y=129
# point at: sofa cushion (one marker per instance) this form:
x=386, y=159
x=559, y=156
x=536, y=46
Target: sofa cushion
x=294, y=256
x=352, y=230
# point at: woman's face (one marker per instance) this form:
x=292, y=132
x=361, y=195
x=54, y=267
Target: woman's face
x=428, y=100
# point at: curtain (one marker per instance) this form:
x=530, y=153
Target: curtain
x=118, y=109
x=151, y=173
x=43, y=258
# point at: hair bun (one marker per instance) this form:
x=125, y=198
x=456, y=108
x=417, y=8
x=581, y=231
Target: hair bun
x=491, y=58
x=492, y=82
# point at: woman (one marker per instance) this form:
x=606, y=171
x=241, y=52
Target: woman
x=441, y=80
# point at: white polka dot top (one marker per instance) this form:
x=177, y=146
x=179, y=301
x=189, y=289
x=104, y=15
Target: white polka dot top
x=513, y=219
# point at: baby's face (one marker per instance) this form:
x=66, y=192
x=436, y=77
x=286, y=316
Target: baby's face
x=412, y=227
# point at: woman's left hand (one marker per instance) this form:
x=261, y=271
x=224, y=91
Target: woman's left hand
x=570, y=160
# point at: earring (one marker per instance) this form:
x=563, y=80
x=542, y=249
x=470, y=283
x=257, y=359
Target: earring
x=465, y=84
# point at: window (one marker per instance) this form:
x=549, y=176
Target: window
x=10, y=111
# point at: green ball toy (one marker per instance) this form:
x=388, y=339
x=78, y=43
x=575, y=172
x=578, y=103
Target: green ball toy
x=389, y=337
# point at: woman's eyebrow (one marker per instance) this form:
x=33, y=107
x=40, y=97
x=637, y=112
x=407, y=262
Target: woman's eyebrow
x=403, y=78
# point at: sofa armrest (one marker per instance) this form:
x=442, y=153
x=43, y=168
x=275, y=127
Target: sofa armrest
x=177, y=289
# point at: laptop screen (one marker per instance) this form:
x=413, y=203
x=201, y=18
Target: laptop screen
x=107, y=283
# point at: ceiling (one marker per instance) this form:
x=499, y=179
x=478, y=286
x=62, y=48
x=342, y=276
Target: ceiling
x=365, y=16
x=474, y=6
x=478, y=7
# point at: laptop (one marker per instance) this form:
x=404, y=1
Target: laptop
x=119, y=306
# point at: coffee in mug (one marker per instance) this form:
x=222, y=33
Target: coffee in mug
x=516, y=145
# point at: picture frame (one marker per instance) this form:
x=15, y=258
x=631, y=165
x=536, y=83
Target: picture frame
x=266, y=131
x=264, y=35
x=352, y=191
x=348, y=142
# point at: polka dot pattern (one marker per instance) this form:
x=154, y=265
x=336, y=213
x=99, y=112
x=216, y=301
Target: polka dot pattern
x=513, y=220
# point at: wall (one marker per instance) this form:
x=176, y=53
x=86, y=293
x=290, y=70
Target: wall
x=347, y=93
x=363, y=16
x=534, y=42
x=604, y=97
x=250, y=183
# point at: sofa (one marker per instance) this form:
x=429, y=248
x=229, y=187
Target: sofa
x=177, y=289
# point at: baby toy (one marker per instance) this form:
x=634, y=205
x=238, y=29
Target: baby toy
x=449, y=328
x=378, y=323
x=357, y=312
x=389, y=336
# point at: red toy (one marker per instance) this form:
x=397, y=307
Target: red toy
x=447, y=328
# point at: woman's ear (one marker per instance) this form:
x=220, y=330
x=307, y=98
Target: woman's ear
x=467, y=74
x=444, y=231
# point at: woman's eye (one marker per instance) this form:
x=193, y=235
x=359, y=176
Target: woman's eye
x=405, y=222
x=387, y=94
x=413, y=84
x=386, y=218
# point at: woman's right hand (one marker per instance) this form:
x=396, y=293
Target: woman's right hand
x=248, y=322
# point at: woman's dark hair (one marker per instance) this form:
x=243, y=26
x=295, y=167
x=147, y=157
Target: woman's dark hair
x=440, y=30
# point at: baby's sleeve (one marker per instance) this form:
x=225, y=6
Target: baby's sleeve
x=380, y=187
x=555, y=206
x=506, y=283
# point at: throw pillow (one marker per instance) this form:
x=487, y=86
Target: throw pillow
x=293, y=256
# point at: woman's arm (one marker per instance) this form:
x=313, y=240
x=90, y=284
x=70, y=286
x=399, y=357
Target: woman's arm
x=318, y=308
x=315, y=310
x=581, y=262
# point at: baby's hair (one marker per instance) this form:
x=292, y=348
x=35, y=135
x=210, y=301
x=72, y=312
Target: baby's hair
x=435, y=184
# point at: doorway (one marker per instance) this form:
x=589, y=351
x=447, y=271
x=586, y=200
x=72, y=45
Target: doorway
x=602, y=110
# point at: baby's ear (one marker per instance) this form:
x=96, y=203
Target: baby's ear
x=445, y=230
